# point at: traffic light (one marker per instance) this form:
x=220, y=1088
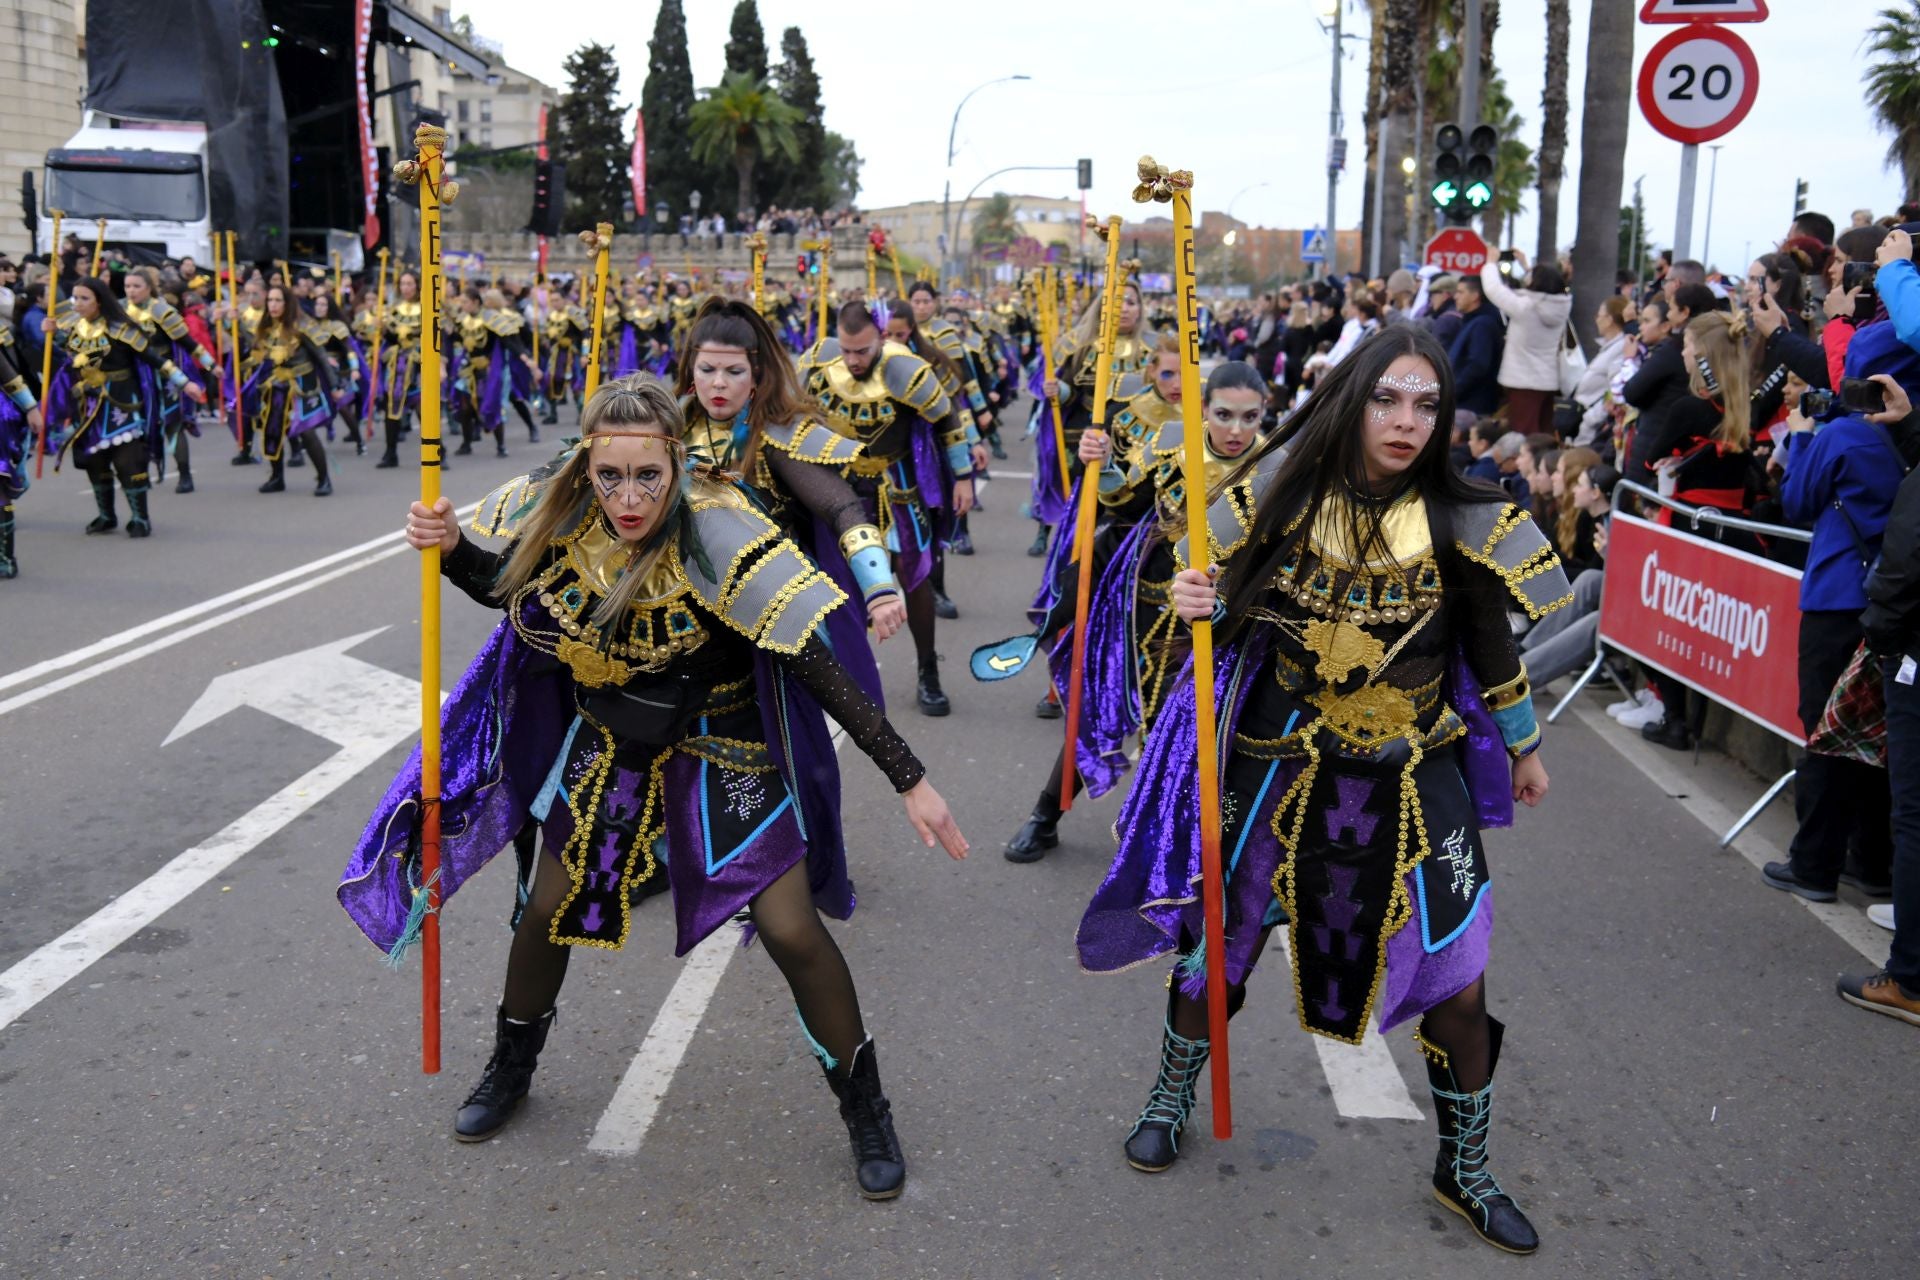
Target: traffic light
x=1085, y=170
x=800, y=267
x=1449, y=167
x=1799, y=197
x=1483, y=147
x=549, y=198
x=813, y=264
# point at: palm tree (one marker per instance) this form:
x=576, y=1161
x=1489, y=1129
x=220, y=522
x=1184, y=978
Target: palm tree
x=739, y=121
x=1603, y=160
x=1553, y=128
x=994, y=226
x=1893, y=87
x=1513, y=170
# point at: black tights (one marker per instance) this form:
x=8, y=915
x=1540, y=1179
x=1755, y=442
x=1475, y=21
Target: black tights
x=783, y=915
x=128, y=461
x=920, y=620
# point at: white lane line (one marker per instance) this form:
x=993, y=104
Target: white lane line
x=172, y=638
x=623, y=1125
x=1850, y=923
x=1366, y=1082
x=108, y=644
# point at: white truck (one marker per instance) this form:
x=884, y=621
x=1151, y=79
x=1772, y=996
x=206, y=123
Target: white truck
x=146, y=178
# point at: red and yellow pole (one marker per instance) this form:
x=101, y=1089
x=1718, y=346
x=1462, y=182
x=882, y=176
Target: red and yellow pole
x=46, y=344
x=1085, y=514
x=233, y=338
x=1157, y=183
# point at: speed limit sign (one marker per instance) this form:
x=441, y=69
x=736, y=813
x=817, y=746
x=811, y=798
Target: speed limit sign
x=1698, y=83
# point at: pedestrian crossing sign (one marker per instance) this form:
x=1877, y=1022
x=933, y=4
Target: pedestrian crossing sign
x=1313, y=245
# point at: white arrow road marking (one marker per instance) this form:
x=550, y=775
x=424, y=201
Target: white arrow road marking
x=363, y=709
x=623, y=1125
x=1366, y=1083
x=304, y=578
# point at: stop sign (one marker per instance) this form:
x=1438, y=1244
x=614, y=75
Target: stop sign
x=1459, y=250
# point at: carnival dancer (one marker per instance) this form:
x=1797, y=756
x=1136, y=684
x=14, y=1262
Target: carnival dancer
x=1130, y=619
x=566, y=332
x=512, y=362
x=287, y=392
x=903, y=330
x=915, y=473
x=678, y=316
x=19, y=421
x=345, y=360
x=105, y=404
x=399, y=376
x=659, y=674
x=1375, y=717
x=166, y=329
x=747, y=415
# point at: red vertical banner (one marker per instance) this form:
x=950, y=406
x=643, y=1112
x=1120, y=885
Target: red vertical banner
x=637, y=169
x=541, y=267
x=363, y=104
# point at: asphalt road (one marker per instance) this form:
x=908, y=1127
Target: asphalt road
x=234, y=1089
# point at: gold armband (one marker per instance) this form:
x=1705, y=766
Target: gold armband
x=858, y=539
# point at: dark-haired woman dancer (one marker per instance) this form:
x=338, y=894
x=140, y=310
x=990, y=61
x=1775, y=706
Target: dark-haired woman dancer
x=747, y=415
x=105, y=402
x=1374, y=717
x=288, y=393
x=166, y=330
x=399, y=375
x=654, y=699
x=331, y=334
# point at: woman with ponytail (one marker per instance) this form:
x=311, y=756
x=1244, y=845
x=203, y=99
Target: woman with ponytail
x=1374, y=717
x=655, y=701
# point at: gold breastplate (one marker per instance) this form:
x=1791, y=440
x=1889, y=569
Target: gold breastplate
x=659, y=626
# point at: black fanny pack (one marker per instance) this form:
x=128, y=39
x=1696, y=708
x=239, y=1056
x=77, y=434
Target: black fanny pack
x=654, y=713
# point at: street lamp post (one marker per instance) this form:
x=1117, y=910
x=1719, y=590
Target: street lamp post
x=1713, y=181
x=946, y=196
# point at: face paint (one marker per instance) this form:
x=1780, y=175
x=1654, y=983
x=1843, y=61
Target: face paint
x=1411, y=383
x=649, y=481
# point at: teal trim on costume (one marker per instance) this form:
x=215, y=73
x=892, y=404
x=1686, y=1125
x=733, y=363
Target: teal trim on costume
x=960, y=458
x=872, y=571
x=1518, y=728
x=23, y=398
x=543, y=802
x=827, y=1060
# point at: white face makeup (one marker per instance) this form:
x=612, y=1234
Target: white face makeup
x=1402, y=412
x=723, y=379
x=630, y=475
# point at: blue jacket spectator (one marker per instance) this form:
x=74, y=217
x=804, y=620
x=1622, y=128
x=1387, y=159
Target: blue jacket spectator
x=1899, y=286
x=1476, y=350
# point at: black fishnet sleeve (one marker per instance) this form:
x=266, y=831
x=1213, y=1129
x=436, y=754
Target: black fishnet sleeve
x=1478, y=602
x=473, y=569
x=864, y=722
x=820, y=489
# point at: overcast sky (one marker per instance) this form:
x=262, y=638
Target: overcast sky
x=1246, y=109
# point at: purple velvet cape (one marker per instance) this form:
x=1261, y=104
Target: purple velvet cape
x=502, y=728
x=1152, y=890
x=65, y=402
x=926, y=467
x=16, y=443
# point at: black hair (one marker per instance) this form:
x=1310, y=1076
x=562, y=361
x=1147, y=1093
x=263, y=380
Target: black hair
x=1603, y=477
x=944, y=365
x=1546, y=278
x=1326, y=457
x=1234, y=375
x=1696, y=298
x=1817, y=225
x=923, y=286
x=1791, y=293
x=1659, y=303
x=1860, y=244
x=110, y=309
x=1473, y=282
x=855, y=318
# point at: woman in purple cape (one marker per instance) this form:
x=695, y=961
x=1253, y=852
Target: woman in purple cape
x=654, y=701
x=1374, y=716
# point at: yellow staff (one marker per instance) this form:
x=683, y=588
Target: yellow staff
x=426, y=171
x=1046, y=312
x=1084, y=516
x=99, y=245
x=893, y=256
x=539, y=316
x=233, y=339
x=46, y=344
x=1156, y=183
x=600, y=240
x=824, y=247
x=379, y=333
x=873, y=271
x=336, y=279
x=758, y=243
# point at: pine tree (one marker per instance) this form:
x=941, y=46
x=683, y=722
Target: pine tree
x=799, y=185
x=747, y=42
x=593, y=137
x=664, y=104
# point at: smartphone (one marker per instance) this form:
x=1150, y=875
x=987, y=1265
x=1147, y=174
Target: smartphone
x=1858, y=275
x=1860, y=395
x=1816, y=404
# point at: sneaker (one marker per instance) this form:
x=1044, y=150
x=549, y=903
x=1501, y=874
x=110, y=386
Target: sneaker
x=1880, y=993
x=1881, y=913
x=1642, y=716
x=1645, y=697
x=1780, y=876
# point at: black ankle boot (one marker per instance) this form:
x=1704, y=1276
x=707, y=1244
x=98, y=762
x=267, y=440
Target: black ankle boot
x=9, y=561
x=107, y=521
x=932, y=701
x=276, y=481
x=293, y=456
x=878, y=1165
x=1039, y=833
x=1039, y=545
x=185, y=483
x=139, y=525
x=1460, y=1178
x=1048, y=708
x=1154, y=1144
x=244, y=458
x=516, y=1052
x=943, y=607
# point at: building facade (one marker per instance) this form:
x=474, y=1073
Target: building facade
x=43, y=76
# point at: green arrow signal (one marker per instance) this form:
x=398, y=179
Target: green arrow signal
x=1445, y=193
x=1479, y=195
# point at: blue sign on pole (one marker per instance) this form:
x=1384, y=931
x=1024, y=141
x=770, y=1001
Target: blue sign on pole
x=1313, y=245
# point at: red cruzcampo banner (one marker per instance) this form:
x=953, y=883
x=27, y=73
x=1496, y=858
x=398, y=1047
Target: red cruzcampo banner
x=1721, y=620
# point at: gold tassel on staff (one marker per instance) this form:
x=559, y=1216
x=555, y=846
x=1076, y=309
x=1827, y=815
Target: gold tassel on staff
x=823, y=247
x=233, y=339
x=46, y=343
x=893, y=256
x=99, y=246
x=1047, y=315
x=1157, y=183
x=873, y=271
x=1088, y=509
x=426, y=171
x=758, y=243
x=600, y=240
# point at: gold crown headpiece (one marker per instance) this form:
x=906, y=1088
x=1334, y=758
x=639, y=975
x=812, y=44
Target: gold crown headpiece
x=1158, y=183
x=601, y=237
x=427, y=138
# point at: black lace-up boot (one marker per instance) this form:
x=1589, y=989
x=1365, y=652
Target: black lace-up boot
x=516, y=1052
x=1154, y=1143
x=9, y=561
x=933, y=702
x=1460, y=1177
x=878, y=1165
x=139, y=523
x=108, y=520
x=1039, y=833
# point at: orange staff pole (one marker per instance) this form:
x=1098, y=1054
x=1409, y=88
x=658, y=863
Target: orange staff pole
x=233, y=340
x=1084, y=519
x=1159, y=184
x=227, y=407
x=46, y=345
